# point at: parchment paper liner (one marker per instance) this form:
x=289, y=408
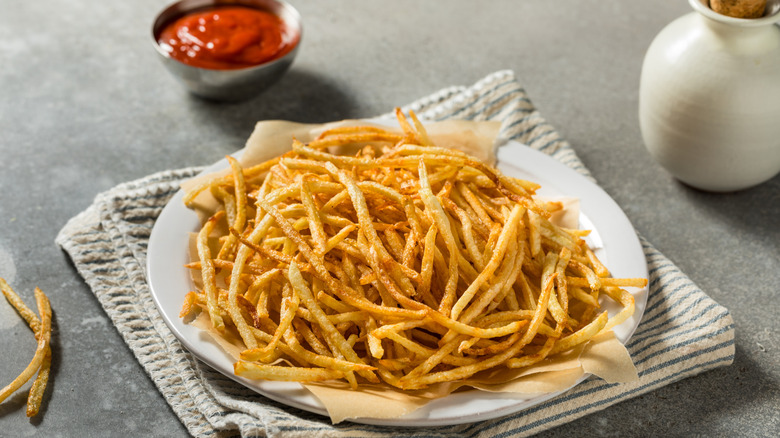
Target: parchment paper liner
x=604, y=356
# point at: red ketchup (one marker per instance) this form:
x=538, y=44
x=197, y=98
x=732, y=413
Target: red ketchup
x=227, y=37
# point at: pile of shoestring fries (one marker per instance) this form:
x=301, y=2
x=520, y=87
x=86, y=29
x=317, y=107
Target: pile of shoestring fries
x=398, y=262
x=41, y=362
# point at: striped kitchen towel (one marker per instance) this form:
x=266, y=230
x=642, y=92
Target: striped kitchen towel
x=683, y=331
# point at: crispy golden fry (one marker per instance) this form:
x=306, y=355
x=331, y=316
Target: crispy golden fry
x=41, y=361
x=274, y=372
x=208, y=271
x=402, y=262
x=25, y=312
x=581, y=335
x=609, y=282
x=35, y=397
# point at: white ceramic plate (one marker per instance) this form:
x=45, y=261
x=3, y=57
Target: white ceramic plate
x=612, y=233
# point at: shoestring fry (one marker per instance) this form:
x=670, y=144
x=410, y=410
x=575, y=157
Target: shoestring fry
x=40, y=324
x=394, y=260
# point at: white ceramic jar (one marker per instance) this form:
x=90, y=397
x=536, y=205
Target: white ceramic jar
x=709, y=98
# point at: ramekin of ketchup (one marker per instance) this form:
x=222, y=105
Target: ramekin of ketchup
x=227, y=49
x=227, y=36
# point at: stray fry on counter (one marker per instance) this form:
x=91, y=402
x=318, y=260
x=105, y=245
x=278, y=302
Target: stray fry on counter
x=41, y=362
x=393, y=261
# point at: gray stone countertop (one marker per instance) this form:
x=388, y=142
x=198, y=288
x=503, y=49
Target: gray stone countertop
x=85, y=105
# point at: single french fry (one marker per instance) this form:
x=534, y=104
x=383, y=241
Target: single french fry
x=25, y=312
x=282, y=373
x=208, y=272
x=35, y=397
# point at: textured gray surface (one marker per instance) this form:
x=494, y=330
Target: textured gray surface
x=85, y=105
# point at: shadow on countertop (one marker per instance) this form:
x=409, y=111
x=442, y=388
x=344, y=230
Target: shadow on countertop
x=712, y=398
x=753, y=210
x=300, y=96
